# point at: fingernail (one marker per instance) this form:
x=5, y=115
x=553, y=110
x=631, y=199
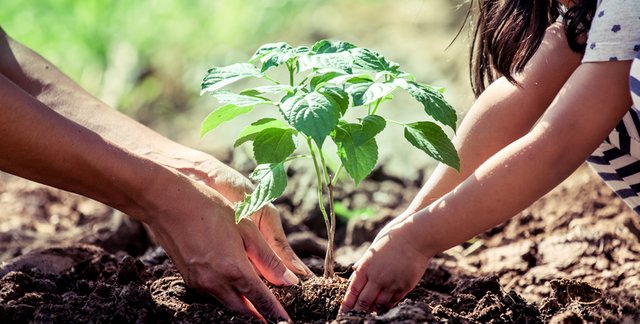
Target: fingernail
x=298, y=266
x=301, y=268
x=290, y=278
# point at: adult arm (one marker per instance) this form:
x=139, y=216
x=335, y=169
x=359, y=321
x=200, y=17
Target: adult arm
x=42, y=80
x=191, y=220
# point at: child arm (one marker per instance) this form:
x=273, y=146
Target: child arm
x=504, y=113
x=585, y=110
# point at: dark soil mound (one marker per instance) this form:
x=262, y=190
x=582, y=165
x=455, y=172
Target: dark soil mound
x=574, y=256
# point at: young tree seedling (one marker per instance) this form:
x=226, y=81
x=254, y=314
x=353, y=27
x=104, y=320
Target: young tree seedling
x=324, y=82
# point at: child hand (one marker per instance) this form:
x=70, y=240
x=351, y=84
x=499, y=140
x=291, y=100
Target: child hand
x=389, y=269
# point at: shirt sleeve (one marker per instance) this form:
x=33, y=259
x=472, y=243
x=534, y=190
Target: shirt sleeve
x=615, y=32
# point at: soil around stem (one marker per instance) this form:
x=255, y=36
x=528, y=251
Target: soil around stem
x=574, y=256
x=314, y=299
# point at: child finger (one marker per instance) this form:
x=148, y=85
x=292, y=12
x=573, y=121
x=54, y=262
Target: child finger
x=395, y=299
x=358, y=281
x=366, y=297
x=382, y=301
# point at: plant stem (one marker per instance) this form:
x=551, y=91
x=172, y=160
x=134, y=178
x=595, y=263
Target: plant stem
x=266, y=77
x=321, y=200
x=291, y=158
x=395, y=122
x=331, y=230
x=329, y=258
x=325, y=170
x=334, y=179
x=290, y=67
x=375, y=108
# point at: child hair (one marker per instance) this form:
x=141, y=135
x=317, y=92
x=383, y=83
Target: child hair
x=508, y=32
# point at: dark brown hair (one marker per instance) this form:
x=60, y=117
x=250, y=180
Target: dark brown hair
x=508, y=32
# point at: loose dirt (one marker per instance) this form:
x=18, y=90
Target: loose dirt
x=574, y=256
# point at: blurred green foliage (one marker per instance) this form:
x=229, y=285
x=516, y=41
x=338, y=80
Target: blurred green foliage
x=147, y=58
x=346, y=214
x=112, y=46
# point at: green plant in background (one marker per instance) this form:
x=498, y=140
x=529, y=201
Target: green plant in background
x=324, y=82
x=347, y=214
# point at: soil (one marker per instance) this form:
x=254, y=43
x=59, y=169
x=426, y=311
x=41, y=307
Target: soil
x=574, y=256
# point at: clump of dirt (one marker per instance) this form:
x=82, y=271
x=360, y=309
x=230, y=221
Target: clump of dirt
x=105, y=288
x=579, y=301
x=482, y=300
x=315, y=299
x=34, y=216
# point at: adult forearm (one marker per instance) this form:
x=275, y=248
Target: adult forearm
x=42, y=80
x=39, y=144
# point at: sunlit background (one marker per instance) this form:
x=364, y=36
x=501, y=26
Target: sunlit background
x=147, y=58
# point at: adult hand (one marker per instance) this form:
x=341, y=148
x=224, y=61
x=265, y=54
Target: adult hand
x=389, y=269
x=195, y=226
x=144, y=174
x=207, y=170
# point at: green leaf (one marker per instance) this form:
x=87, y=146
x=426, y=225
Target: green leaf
x=269, y=48
x=433, y=102
x=228, y=97
x=372, y=125
x=351, y=78
x=323, y=78
x=273, y=145
x=221, y=115
x=271, y=181
x=218, y=77
x=271, y=89
x=364, y=93
x=370, y=61
x=338, y=95
x=301, y=51
x=359, y=158
x=431, y=139
x=273, y=55
x=327, y=46
x=275, y=59
x=314, y=114
x=250, y=132
x=339, y=62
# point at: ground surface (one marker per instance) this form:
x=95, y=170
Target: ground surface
x=572, y=256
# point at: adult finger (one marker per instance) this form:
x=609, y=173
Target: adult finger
x=233, y=300
x=264, y=259
x=357, y=284
x=262, y=299
x=270, y=226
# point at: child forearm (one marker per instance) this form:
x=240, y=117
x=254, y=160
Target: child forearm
x=592, y=102
x=503, y=113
